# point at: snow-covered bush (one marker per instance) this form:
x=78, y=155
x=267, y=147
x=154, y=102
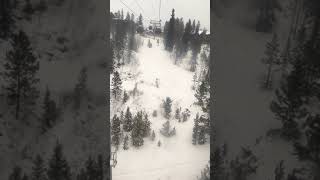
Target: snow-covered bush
x=167, y=131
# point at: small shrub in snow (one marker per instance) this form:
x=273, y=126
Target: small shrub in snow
x=178, y=115
x=167, y=131
x=153, y=135
x=125, y=97
x=149, y=44
x=185, y=115
x=154, y=113
x=125, y=143
x=157, y=82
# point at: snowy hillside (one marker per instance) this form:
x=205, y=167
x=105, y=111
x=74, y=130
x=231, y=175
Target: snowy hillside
x=64, y=38
x=177, y=157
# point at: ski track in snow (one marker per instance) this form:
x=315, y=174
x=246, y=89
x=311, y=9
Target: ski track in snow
x=177, y=158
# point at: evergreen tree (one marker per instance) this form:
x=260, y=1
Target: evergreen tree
x=125, y=97
x=167, y=103
x=91, y=169
x=195, y=130
x=28, y=9
x=50, y=113
x=244, y=165
x=288, y=106
x=202, y=135
x=147, y=126
x=41, y=6
x=166, y=130
x=272, y=58
x=311, y=149
x=25, y=177
x=38, y=169
x=177, y=115
x=169, y=39
x=80, y=90
x=137, y=132
x=82, y=175
x=279, y=172
x=125, y=143
x=21, y=67
x=153, y=135
x=58, y=165
x=127, y=124
x=100, y=168
x=116, y=84
x=217, y=165
x=6, y=19
x=115, y=131
x=16, y=174
x=159, y=143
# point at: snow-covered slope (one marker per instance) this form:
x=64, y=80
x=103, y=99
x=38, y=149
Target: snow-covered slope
x=243, y=117
x=176, y=158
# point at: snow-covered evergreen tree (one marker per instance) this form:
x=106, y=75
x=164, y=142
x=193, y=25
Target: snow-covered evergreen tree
x=195, y=130
x=128, y=122
x=272, y=58
x=58, y=166
x=21, y=67
x=38, y=169
x=80, y=89
x=167, y=105
x=126, y=143
x=115, y=130
x=50, y=111
x=116, y=85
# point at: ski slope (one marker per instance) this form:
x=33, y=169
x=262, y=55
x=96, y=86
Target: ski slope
x=176, y=158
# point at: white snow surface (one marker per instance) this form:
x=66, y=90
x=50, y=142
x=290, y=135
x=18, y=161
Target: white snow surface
x=177, y=158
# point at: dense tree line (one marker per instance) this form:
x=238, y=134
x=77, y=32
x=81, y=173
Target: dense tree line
x=299, y=90
x=58, y=168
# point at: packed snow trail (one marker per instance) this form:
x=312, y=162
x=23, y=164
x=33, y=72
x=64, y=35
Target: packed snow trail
x=176, y=158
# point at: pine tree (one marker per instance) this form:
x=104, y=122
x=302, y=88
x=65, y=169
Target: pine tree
x=125, y=143
x=38, y=169
x=167, y=103
x=41, y=6
x=58, y=165
x=169, y=39
x=21, y=67
x=80, y=90
x=288, y=106
x=82, y=175
x=137, y=132
x=116, y=84
x=99, y=168
x=202, y=135
x=159, y=143
x=50, y=112
x=91, y=169
x=28, y=9
x=153, y=135
x=25, y=177
x=166, y=130
x=279, y=172
x=16, y=174
x=125, y=97
x=177, y=115
x=115, y=131
x=7, y=21
x=195, y=130
x=127, y=124
x=310, y=150
x=147, y=126
x=217, y=165
x=272, y=58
